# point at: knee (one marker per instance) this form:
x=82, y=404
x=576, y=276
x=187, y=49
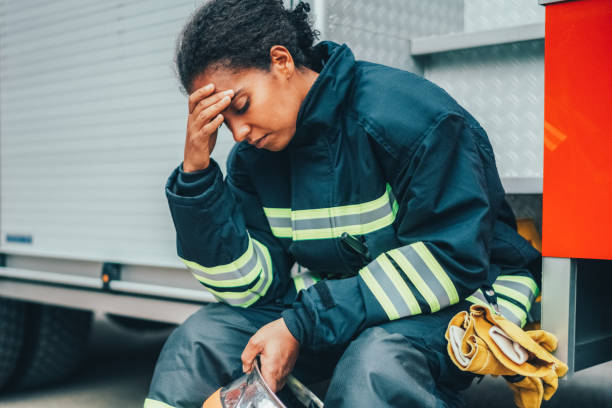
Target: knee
x=185, y=339
x=385, y=369
x=192, y=331
x=376, y=351
x=201, y=355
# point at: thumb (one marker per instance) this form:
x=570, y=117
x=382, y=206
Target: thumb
x=250, y=352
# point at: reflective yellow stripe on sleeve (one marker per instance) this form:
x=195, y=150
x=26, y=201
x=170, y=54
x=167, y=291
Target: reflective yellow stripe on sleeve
x=416, y=264
x=241, y=272
x=509, y=310
x=518, y=313
x=522, y=279
x=305, y=280
x=421, y=268
x=151, y=403
x=437, y=270
x=389, y=288
x=513, y=294
x=416, y=279
x=524, y=284
x=255, y=264
x=404, y=291
x=379, y=293
x=298, y=281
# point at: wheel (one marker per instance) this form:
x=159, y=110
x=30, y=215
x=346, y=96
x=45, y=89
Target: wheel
x=55, y=344
x=12, y=334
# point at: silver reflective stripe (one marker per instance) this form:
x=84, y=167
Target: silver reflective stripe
x=427, y=275
x=505, y=309
x=524, y=280
x=391, y=290
x=262, y=253
x=343, y=220
x=229, y=279
x=277, y=222
x=280, y=221
x=514, y=295
x=328, y=223
x=264, y=276
x=243, y=299
x=519, y=314
x=305, y=280
x=525, y=290
x=308, y=281
x=241, y=272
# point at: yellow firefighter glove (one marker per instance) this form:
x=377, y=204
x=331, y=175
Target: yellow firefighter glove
x=528, y=392
x=540, y=362
x=475, y=356
x=472, y=348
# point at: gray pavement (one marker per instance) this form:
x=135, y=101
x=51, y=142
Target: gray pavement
x=120, y=363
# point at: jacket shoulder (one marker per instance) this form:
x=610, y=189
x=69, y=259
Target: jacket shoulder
x=256, y=171
x=237, y=165
x=397, y=107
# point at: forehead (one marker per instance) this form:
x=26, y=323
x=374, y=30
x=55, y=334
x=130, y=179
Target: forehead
x=225, y=78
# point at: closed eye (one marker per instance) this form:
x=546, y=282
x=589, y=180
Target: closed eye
x=244, y=108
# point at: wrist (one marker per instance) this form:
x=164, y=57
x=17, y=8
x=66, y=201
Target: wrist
x=189, y=168
x=290, y=335
x=195, y=183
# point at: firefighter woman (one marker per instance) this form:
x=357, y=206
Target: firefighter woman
x=376, y=182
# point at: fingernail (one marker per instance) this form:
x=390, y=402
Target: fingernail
x=228, y=92
x=225, y=99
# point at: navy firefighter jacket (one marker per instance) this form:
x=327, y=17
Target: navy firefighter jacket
x=387, y=196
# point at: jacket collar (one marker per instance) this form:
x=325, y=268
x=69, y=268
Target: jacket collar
x=325, y=98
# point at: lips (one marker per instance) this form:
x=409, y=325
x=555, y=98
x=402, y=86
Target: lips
x=260, y=142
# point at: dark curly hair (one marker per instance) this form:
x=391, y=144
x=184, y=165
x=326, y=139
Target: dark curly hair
x=239, y=34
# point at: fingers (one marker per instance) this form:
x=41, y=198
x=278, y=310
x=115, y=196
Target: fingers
x=213, y=125
x=211, y=100
x=211, y=111
x=198, y=95
x=250, y=352
x=205, y=107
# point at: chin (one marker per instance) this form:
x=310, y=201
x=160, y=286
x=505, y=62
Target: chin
x=279, y=143
x=274, y=148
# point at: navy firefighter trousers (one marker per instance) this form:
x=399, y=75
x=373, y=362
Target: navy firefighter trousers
x=403, y=363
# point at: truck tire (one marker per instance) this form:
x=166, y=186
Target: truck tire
x=55, y=344
x=12, y=334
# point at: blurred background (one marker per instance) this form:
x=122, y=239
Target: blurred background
x=92, y=122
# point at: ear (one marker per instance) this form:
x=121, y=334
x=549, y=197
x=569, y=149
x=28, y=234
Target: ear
x=281, y=61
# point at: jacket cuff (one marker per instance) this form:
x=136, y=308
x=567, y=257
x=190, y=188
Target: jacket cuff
x=194, y=183
x=199, y=186
x=298, y=322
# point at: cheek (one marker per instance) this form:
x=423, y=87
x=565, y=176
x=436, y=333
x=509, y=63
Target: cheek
x=287, y=115
x=276, y=110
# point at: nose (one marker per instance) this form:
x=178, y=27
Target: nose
x=241, y=133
